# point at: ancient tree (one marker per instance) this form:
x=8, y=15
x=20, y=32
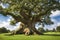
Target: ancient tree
x=29, y=12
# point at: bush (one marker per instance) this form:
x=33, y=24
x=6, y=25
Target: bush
x=4, y=30
x=58, y=29
x=41, y=29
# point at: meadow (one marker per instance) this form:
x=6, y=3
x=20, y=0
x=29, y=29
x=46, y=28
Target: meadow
x=47, y=36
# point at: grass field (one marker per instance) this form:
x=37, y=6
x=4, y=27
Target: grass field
x=47, y=36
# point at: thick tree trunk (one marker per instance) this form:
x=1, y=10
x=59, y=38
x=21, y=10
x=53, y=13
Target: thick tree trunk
x=33, y=30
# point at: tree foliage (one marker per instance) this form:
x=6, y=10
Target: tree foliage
x=3, y=30
x=41, y=29
x=58, y=28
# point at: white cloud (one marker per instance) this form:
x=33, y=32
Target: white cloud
x=4, y=5
x=5, y=22
x=7, y=25
x=55, y=13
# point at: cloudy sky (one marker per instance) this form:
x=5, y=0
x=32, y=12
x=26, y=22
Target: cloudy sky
x=4, y=20
x=55, y=17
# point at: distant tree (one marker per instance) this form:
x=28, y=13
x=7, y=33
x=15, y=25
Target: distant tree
x=0, y=30
x=58, y=29
x=53, y=30
x=3, y=30
x=41, y=29
x=47, y=30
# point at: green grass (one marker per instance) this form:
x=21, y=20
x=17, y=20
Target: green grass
x=31, y=37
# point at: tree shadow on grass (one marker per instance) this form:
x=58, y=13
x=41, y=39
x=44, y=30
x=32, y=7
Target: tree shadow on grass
x=8, y=34
x=12, y=34
x=52, y=34
x=43, y=34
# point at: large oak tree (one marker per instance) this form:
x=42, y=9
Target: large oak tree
x=29, y=12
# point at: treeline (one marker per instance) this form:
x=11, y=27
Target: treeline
x=4, y=30
x=41, y=29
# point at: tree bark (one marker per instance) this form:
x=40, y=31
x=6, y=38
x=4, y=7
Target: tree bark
x=32, y=28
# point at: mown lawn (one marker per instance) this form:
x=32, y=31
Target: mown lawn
x=31, y=37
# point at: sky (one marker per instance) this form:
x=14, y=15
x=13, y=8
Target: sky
x=4, y=20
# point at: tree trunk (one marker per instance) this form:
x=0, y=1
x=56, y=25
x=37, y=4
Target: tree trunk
x=32, y=29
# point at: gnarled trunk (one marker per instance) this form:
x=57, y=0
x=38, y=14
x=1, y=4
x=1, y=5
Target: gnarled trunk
x=32, y=29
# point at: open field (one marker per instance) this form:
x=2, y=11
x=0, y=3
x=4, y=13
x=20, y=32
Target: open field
x=47, y=36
